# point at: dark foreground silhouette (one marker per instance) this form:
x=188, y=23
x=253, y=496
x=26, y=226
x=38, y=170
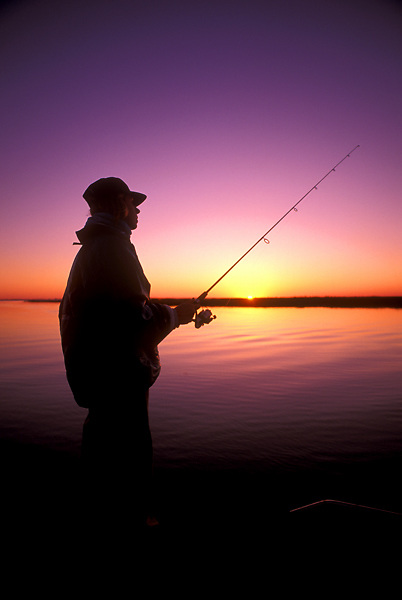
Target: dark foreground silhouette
x=44, y=509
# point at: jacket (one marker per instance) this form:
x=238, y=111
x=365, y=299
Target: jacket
x=110, y=330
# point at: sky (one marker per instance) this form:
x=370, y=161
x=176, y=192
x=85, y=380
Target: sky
x=225, y=113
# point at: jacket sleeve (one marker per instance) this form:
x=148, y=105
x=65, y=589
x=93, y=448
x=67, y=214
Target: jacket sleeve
x=122, y=281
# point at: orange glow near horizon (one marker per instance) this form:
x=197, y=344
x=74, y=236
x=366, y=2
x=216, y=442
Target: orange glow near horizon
x=269, y=275
x=39, y=279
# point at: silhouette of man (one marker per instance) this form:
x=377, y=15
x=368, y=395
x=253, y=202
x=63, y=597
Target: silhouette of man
x=110, y=331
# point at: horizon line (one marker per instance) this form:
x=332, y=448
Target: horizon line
x=269, y=301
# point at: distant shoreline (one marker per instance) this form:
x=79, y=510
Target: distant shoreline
x=291, y=302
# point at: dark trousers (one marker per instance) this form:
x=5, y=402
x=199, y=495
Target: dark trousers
x=117, y=461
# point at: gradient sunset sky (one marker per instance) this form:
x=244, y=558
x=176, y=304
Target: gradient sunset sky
x=224, y=113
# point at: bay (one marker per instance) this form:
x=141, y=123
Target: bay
x=311, y=397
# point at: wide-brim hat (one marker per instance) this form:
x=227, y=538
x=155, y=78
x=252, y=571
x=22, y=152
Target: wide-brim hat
x=108, y=188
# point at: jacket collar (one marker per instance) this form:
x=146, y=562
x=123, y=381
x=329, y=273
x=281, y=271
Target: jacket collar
x=102, y=223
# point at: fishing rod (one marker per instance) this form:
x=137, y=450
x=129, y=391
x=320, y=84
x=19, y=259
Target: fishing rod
x=206, y=316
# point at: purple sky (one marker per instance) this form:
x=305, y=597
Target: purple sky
x=225, y=114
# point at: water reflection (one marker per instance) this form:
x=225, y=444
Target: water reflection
x=258, y=389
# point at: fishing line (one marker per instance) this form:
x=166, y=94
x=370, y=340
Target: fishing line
x=206, y=316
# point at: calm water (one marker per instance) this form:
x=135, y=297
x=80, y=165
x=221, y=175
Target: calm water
x=262, y=390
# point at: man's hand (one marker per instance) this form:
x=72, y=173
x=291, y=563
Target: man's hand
x=186, y=311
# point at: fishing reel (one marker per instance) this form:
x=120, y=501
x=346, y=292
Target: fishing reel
x=203, y=318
